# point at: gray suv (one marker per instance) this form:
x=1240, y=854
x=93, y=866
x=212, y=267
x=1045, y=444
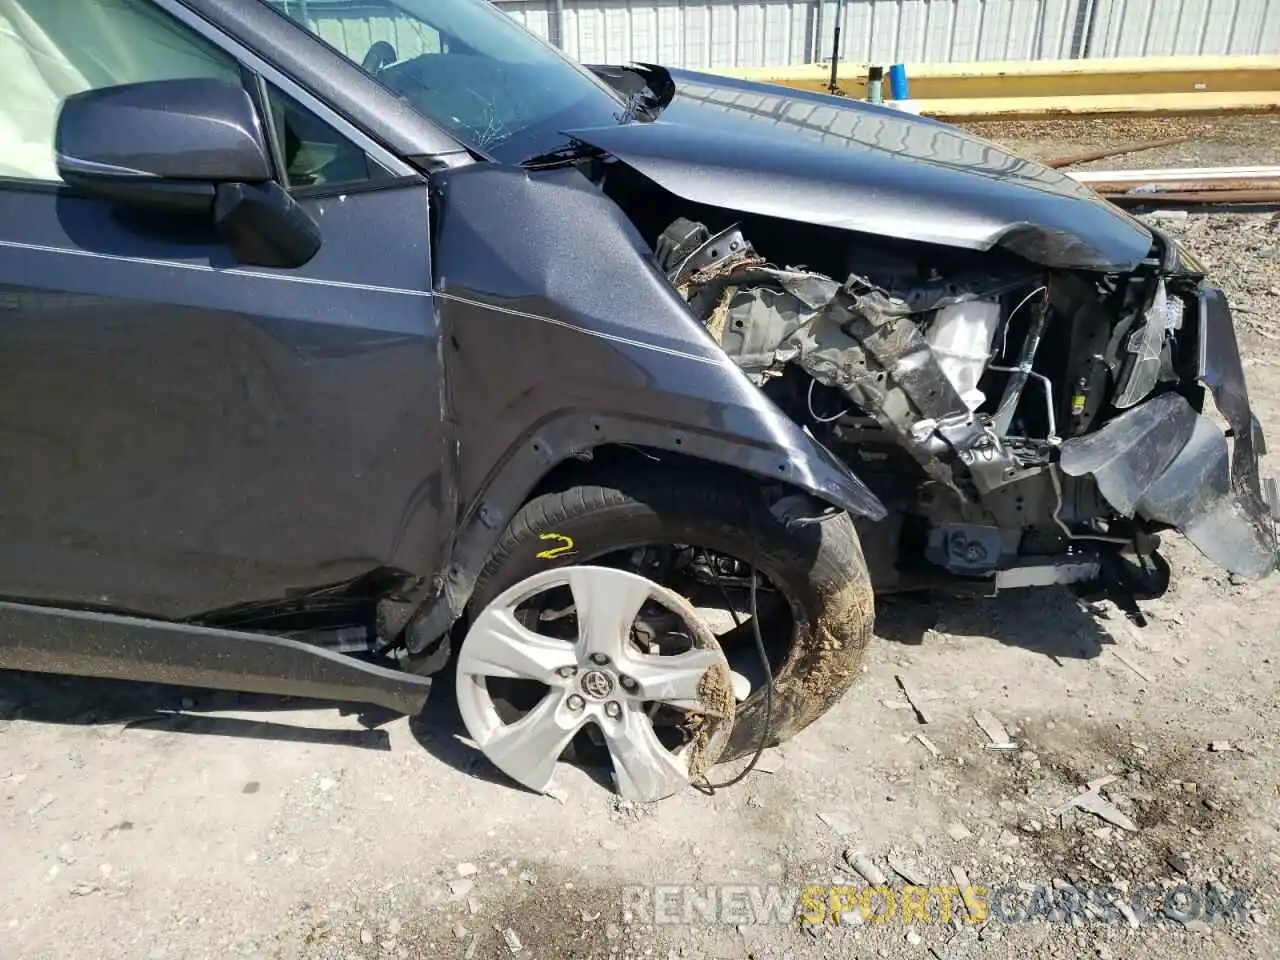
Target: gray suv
x=346, y=341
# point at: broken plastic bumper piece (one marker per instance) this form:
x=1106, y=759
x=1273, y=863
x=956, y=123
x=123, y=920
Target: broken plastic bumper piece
x=1163, y=461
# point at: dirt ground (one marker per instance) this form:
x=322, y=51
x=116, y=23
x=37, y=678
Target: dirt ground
x=150, y=823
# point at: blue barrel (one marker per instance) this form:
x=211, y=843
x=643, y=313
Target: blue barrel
x=898, y=83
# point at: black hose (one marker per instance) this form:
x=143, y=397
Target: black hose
x=706, y=786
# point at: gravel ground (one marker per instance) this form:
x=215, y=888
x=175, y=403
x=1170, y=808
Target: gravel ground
x=1215, y=141
x=143, y=822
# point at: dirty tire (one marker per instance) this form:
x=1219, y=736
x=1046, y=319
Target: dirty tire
x=819, y=567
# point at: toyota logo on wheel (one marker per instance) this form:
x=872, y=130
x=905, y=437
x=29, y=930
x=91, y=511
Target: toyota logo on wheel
x=597, y=684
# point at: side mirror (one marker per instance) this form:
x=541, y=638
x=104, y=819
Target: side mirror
x=186, y=146
x=166, y=143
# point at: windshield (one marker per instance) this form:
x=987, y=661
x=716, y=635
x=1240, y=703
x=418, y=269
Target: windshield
x=467, y=66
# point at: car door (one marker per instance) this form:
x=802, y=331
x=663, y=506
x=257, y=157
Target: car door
x=180, y=432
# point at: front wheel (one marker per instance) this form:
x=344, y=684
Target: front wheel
x=697, y=533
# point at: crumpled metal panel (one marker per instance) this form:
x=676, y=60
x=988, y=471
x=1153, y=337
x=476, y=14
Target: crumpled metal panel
x=1166, y=463
x=841, y=163
x=1133, y=449
x=1163, y=461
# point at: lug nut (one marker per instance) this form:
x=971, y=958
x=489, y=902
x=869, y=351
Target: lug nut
x=576, y=703
x=627, y=684
x=599, y=659
x=567, y=672
x=613, y=709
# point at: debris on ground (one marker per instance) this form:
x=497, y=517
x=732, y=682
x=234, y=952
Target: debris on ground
x=927, y=744
x=512, y=941
x=994, y=730
x=556, y=794
x=908, y=870
x=1092, y=801
x=961, y=878
x=1129, y=663
x=1128, y=913
x=1168, y=216
x=914, y=697
x=1221, y=746
x=838, y=822
x=863, y=866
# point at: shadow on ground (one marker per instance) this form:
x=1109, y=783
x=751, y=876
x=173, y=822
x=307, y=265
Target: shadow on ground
x=46, y=698
x=1049, y=622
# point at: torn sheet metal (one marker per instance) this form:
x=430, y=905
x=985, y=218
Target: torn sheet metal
x=1163, y=461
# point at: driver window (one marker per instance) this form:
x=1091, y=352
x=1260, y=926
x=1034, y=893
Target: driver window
x=314, y=154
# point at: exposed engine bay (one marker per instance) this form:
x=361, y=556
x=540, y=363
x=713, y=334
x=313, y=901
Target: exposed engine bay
x=1024, y=426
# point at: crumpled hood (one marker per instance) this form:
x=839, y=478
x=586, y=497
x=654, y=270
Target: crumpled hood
x=841, y=163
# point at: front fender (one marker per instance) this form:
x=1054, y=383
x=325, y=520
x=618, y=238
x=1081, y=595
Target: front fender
x=556, y=320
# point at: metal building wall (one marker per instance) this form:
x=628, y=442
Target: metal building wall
x=1135, y=28
x=739, y=33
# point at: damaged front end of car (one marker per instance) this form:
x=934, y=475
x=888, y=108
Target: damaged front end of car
x=1020, y=371
x=1026, y=426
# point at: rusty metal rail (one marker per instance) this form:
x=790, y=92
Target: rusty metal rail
x=1087, y=156
x=1198, y=185
x=1196, y=198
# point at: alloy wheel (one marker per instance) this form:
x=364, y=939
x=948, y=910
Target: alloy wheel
x=604, y=677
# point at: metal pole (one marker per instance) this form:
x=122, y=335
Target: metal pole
x=558, y=31
x=833, y=86
x=1081, y=28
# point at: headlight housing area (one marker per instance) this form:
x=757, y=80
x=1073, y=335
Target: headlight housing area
x=1186, y=262
x=1175, y=259
x=1145, y=346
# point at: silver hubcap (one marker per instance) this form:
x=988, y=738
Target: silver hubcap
x=601, y=678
